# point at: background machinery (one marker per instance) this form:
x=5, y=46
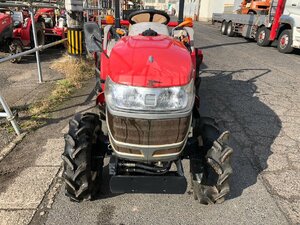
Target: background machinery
x=255, y=6
x=281, y=24
x=55, y=25
x=6, y=29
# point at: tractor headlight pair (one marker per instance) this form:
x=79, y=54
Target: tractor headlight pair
x=124, y=97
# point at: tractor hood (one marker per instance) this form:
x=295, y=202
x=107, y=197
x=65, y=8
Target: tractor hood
x=144, y=61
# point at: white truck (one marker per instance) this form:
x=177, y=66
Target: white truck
x=282, y=24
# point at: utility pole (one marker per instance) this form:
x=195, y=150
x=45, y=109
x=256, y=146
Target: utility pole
x=75, y=21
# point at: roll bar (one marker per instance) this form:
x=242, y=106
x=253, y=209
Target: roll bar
x=117, y=12
x=181, y=10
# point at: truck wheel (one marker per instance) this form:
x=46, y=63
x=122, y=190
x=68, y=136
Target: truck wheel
x=210, y=182
x=224, y=28
x=230, y=30
x=262, y=36
x=82, y=157
x=285, y=42
x=15, y=48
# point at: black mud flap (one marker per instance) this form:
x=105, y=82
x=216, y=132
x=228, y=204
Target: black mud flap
x=148, y=184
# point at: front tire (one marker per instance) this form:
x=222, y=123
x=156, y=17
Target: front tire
x=211, y=170
x=83, y=157
x=15, y=48
x=285, y=42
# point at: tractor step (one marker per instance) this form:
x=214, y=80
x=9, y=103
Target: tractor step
x=148, y=184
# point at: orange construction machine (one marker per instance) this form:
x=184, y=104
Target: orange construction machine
x=255, y=6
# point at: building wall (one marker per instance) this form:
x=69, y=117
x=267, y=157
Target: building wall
x=191, y=8
x=156, y=4
x=201, y=10
x=208, y=7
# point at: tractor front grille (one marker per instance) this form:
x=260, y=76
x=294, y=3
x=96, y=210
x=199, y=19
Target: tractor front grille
x=148, y=132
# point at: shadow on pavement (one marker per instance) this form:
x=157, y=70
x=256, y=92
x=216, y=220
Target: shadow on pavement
x=45, y=56
x=223, y=44
x=230, y=97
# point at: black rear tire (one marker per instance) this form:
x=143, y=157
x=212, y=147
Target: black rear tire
x=230, y=30
x=285, y=42
x=224, y=28
x=40, y=34
x=262, y=37
x=83, y=157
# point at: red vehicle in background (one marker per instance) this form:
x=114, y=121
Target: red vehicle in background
x=23, y=29
x=55, y=24
x=6, y=29
x=16, y=31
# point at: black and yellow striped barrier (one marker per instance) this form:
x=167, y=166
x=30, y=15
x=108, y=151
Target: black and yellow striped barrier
x=75, y=39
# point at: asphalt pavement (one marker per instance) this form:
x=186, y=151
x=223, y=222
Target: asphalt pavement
x=251, y=91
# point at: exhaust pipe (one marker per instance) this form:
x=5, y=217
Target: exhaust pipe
x=117, y=14
x=181, y=10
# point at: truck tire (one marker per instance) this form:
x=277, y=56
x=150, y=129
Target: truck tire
x=14, y=48
x=285, y=42
x=224, y=28
x=262, y=37
x=83, y=157
x=210, y=183
x=230, y=30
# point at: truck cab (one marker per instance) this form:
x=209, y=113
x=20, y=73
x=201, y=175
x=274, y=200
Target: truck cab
x=289, y=36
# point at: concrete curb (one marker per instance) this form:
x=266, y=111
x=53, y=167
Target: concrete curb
x=7, y=149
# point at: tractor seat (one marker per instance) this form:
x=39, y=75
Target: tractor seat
x=139, y=28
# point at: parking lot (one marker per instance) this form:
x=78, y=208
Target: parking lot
x=251, y=91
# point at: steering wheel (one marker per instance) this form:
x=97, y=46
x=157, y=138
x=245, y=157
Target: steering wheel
x=152, y=14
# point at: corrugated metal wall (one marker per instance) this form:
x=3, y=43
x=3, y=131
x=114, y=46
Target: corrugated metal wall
x=203, y=9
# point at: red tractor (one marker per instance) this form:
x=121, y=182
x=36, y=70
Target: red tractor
x=22, y=34
x=6, y=29
x=55, y=27
x=16, y=31
x=147, y=118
